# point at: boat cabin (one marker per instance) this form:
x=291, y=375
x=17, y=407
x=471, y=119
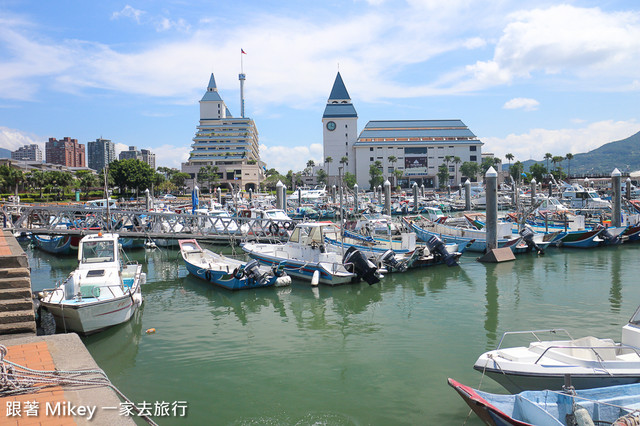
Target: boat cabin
x=577, y=197
x=308, y=234
x=99, y=251
x=101, y=204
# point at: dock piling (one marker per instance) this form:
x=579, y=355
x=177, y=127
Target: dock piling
x=616, y=178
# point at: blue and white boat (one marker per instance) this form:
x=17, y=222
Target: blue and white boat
x=305, y=253
x=227, y=272
x=612, y=405
x=103, y=291
x=55, y=244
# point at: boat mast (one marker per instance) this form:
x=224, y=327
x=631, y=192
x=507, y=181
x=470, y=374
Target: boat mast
x=106, y=195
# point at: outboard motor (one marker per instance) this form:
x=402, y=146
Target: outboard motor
x=606, y=235
x=354, y=261
x=252, y=271
x=278, y=270
x=436, y=246
x=527, y=235
x=388, y=259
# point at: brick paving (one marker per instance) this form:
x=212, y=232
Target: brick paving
x=35, y=356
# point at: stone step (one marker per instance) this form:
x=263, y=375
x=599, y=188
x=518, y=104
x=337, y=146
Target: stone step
x=23, y=315
x=13, y=305
x=18, y=327
x=15, y=293
x=17, y=282
x=14, y=272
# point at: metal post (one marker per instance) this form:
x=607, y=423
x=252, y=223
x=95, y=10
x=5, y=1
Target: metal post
x=341, y=204
x=147, y=199
x=422, y=190
x=628, y=182
x=491, y=179
x=284, y=197
x=550, y=188
x=219, y=195
x=356, y=208
x=299, y=197
x=333, y=194
x=250, y=196
x=106, y=195
x=616, y=178
x=448, y=190
x=467, y=195
x=279, y=186
x=387, y=197
x=533, y=190
x=379, y=194
x=415, y=197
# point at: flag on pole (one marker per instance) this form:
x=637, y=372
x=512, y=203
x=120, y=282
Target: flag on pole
x=242, y=51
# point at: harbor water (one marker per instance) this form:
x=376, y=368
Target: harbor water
x=349, y=355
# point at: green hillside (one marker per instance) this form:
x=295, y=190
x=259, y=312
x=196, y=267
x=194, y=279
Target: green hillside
x=623, y=154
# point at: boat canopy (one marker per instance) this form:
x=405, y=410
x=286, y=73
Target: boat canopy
x=309, y=233
x=98, y=249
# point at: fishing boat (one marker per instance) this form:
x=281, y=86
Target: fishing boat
x=103, y=291
x=463, y=233
x=591, y=362
x=227, y=272
x=398, y=255
x=55, y=244
x=613, y=405
x=305, y=255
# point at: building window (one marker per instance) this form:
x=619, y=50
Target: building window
x=371, y=149
x=472, y=148
x=473, y=158
x=390, y=169
x=370, y=158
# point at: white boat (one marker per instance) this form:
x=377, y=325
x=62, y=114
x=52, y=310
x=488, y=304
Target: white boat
x=376, y=224
x=305, y=253
x=578, y=197
x=306, y=193
x=103, y=291
x=589, y=361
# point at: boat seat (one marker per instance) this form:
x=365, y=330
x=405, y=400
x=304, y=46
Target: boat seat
x=574, y=349
x=89, y=291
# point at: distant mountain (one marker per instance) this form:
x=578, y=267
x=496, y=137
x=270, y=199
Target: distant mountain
x=5, y=153
x=623, y=154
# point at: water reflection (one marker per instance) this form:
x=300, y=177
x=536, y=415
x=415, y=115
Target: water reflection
x=615, y=293
x=116, y=348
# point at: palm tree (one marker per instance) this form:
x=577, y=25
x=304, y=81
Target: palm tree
x=456, y=161
x=344, y=160
x=548, y=156
x=509, y=157
x=569, y=157
x=310, y=164
x=392, y=159
x=328, y=162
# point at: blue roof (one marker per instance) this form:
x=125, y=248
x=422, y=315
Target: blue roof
x=409, y=124
x=339, y=111
x=339, y=91
x=212, y=91
x=416, y=133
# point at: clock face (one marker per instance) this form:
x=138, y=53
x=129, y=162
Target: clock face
x=331, y=126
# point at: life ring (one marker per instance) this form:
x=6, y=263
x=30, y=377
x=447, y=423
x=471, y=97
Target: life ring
x=207, y=274
x=288, y=225
x=237, y=273
x=273, y=228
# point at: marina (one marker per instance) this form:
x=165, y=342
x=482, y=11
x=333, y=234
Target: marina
x=352, y=354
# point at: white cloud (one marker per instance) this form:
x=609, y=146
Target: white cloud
x=526, y=104
x=129, y=12
x=285, y=158
x=13, y=139
x=170, y=155
x=537, y=142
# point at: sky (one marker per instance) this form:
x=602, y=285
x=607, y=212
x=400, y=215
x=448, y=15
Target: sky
x=526, y=77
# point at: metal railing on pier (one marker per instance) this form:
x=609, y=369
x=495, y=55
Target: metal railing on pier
x=81, y=220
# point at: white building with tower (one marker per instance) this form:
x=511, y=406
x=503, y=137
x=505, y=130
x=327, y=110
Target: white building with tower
x=417, y=147
x=225, y=142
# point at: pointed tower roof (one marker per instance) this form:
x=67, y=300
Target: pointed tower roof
x=339, y=91
x=212, y=91
x=339, y=104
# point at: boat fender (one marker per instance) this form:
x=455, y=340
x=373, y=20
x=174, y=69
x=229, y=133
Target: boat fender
x=207, y=275
x=238, y=273
x=150, y=331
x=582, y=416
x=273, y=228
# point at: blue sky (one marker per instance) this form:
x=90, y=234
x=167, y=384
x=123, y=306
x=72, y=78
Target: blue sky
x=527, y=77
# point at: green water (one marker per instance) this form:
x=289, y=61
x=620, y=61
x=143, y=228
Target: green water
x=351, y=355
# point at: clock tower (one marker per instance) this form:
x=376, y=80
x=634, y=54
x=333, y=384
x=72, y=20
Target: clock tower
x=339, y=130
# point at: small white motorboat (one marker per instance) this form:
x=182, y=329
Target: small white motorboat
x=589, y=361
x=103, y=291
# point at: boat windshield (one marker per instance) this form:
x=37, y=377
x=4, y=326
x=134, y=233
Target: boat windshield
x=98, y=251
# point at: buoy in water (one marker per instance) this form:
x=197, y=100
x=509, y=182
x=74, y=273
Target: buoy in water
x=150, y=331
x=315, y=280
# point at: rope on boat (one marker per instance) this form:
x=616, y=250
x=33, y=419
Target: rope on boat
x=608, y=404
x=16, y=379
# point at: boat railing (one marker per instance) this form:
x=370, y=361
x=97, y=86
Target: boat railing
x=592, y=348
x=533, y=333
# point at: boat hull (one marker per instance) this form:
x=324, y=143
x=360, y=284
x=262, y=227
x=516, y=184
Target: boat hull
x=55, y=244
x=87, y=317
x=226, y=279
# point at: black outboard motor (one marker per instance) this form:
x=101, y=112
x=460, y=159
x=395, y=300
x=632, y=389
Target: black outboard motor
x=389, y=260
x=606, y=235
x=527, y=235
x=252, y=271
x=354, y=261
x=436, y=246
